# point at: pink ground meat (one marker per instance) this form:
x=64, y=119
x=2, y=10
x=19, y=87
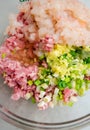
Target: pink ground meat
x=15, y=74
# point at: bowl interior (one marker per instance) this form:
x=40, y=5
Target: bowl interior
x=27, y=109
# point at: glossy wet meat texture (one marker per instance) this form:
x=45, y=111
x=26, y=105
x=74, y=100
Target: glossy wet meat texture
x=25, y=54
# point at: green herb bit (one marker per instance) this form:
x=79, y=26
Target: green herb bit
x=81, y=91
x=30, y=82
x=75, y=72
x=87, y=87
x=87, y=84
x=79, y=50
x=69, y=85
x=67, y=79
x=45, y=72
x=60, y=95
x=41, y=57
x=58, y=98
x=3, y=55
x=70, y=104
x=46, y=81
x=79, y=83
x=42, y=89
x=33, y=100
x=84, y=72
x=87, y=60
x=62, y=84
x=64, y=56
x=37, y=82
x=73, y=53
x=68, y=82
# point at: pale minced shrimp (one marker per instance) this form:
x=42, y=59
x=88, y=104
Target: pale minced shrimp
x=67, y=21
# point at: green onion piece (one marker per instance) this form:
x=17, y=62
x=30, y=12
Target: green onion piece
x=61, y=84
x=33, y=100
x=64, y=56
x=79, y=50
x=30, y=82
x=60, y=95
x=79, y=83
x=3, y=55
x=87, y=84
x=67, y=79
x=42, y=89
x=37, y=82
x=81, y=91
x=69, y=85
x=84, y=72
x=46, y=81
x=73, y=53
x=45, y=72
x=87, y=60
x=58, y=98
x=41, y=57
x=70, y=104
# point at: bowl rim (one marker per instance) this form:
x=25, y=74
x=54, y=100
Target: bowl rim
x=14, y=119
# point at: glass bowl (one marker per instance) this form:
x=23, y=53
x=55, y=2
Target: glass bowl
x=25, y=114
